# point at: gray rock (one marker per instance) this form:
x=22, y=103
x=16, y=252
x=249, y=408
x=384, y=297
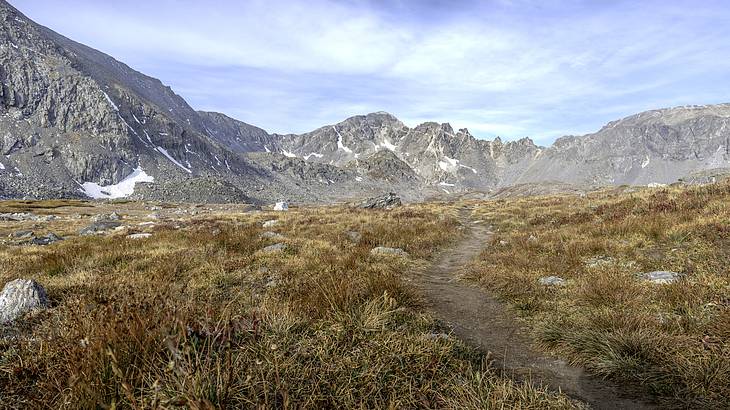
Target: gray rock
x=382, y=250
x=552, y=281
x=661, y=277
x=139, y=236
x=21, y=235
x=387, y=201
x=272, y=235
x=17, y=217
x=279, y=247
x=19, y=297
x=354, y=236
x=106, y=217
x=270, y=224
x=281, y=206
x=98, y=227
x=46, y=240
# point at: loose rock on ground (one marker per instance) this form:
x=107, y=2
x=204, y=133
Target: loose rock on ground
x=19, y=297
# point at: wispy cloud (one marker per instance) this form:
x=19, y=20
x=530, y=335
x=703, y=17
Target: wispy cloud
x=511, y=68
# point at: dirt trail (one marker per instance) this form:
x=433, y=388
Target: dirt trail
x=481, y=320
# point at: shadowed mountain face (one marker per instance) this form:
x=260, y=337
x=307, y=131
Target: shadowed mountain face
x=74, y=122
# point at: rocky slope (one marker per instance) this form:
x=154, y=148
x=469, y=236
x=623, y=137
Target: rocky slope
x=74, y=122
x=659, y=146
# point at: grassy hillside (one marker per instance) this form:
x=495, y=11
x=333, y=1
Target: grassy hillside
x=198, y=316
x=673, y=339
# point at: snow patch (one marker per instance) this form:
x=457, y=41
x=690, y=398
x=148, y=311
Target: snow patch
x=646, y=162
x=2, y=166
x=340, y=145
x=110, y=101
x=148, y=137
x=173, y=160
x=656, y=185
x=449, y=164
x=358, y=179
x=453, y=165
x=446, y=184
x=387, y=145
x=122, y=189
x=267, y=148
x=313, y=154
x=288, y=154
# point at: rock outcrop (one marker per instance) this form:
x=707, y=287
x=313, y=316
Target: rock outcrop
x=76, y=123
x=19, y=297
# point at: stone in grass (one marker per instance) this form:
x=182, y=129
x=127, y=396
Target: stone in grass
x=281, y=206
x=270, y=224
x=279, y=247
x=382, y=250
x=19, y=297
x=98, y=227
x=139, y=236
x=354, y=236
x=21, y=235
x=46, y=240
x=552, y=281
x=661, y=277
x=272, y=235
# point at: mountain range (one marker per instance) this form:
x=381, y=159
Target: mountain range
x=76, y=123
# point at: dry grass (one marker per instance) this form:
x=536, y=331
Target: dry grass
x=673, y=339
x=199, y=317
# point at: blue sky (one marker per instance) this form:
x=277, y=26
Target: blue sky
x=511, y=68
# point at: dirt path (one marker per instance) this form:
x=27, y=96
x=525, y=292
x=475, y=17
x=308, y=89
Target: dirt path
x=481, y=320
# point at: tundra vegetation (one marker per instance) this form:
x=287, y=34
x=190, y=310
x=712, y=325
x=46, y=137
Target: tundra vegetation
x=672, y=338
x=197, y=314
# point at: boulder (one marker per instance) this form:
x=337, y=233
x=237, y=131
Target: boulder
x=272, y=235
x=19, y=297
x=661, y=277
x=46, y=240
x=387, y=201
x=98, y=227
x=281, y=206
x=279, y=247
x=382, y=250
x=21, y=235
x=270, y=224
x=106, y=217
x=552, y=281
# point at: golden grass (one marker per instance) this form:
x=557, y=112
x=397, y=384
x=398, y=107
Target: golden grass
x=199, y=317
x=672, y=339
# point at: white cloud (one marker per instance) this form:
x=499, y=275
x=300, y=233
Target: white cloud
x=510, y=68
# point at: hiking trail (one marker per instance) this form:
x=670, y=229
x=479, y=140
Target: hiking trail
x=481, y=320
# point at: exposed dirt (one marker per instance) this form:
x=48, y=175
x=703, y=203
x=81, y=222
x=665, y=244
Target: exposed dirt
x=482, y=320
